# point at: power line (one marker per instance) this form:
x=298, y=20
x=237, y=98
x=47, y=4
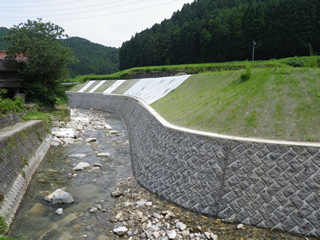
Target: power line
x=47, y=5
x=97, y=16
x=87, y=11
x=64, y=9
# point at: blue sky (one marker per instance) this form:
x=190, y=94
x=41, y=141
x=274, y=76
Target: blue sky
x=107, y=22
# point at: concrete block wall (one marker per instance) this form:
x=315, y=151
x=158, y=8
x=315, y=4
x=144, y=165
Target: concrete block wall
x=269, y=184
x=22, y=147
x=9, y=119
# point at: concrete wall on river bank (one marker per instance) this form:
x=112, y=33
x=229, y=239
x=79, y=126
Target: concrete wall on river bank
x=269, y=184
x=22, y=147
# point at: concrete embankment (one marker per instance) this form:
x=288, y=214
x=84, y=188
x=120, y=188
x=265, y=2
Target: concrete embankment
x=269, y=184
x=22, y=147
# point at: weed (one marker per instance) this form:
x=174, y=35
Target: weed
x=311, y=62
x=3, y=225
x=23, y=173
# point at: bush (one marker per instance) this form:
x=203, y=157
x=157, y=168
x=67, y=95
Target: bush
x=8, y=105
x=294, y=62
x=246, y=74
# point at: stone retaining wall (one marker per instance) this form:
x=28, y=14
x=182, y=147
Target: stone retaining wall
x=9, y=119
x=22, y=147
x=269, y=184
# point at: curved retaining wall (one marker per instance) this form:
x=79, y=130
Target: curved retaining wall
x=269, y=184
x=22, y=147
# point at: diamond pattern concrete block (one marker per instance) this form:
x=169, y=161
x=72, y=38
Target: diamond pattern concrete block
x=267, y=185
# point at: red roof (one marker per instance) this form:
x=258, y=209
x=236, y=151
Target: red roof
x=3, y=55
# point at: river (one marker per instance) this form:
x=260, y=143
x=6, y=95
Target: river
x=92, y=187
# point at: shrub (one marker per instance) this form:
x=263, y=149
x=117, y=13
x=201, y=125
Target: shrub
x=246, y=74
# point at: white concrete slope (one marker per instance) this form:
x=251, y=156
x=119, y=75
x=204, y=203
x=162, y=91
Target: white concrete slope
x=114, y=86
x=86, y=86
x=152, y=89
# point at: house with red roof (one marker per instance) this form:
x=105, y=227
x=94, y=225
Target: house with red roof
x=9, y=77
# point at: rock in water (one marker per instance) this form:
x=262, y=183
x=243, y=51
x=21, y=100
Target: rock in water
x=120, y=231
x=104, y=155
x=63, y=198
x=59, y=211
x=80, y=166
x=77, y=155
x=50, y=197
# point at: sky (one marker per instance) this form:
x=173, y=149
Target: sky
x=106, y=22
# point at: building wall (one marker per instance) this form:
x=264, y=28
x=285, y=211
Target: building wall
x=269, y=184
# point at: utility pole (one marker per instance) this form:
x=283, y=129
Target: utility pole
x=253, y=43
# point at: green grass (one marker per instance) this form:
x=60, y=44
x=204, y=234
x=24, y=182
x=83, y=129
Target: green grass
x=183, y=68
x=281, y=103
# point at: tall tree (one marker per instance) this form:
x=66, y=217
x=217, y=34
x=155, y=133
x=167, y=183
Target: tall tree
x=45, y=59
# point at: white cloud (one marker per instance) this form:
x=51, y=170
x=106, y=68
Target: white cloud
x=107, y=22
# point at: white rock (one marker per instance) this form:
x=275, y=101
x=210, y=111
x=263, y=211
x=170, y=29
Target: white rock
x=94, y=210
x=171, y=234
x=108, y=127
x=240, y=226
x=77, y=155
x=50, y=197
x=80, y=166
x=63, y=198
x=91, y=140
x=68, y=140
x=59, y=211
x=119, y=216
x=214, y=236
x=120, y=230
x=55, y=144
x=181, y=226
x=141, y=203
x=104, y=155
x=63, y=132
x=114, y=132
x=98, y=165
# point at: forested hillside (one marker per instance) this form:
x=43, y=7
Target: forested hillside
x=223, y=30
x=94, y=58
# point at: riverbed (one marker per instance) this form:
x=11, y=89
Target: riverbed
x=142, y=214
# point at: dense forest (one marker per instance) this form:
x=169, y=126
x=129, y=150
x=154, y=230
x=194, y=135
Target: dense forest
x=94, y=58
x=224, y=30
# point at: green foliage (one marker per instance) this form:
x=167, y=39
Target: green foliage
x=219, y=31
x=246, y=74
x=312, y=62
x=294, y=62
x=93, y=57
x=3, y=92
x=7, y=105
x=45, y=58
x=3, y=225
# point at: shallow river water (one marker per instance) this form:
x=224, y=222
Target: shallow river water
x=36, y=218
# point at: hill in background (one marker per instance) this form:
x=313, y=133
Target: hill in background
x=94, y=58
x=223, y=30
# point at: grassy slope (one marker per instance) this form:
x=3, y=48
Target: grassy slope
x=281, y=103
